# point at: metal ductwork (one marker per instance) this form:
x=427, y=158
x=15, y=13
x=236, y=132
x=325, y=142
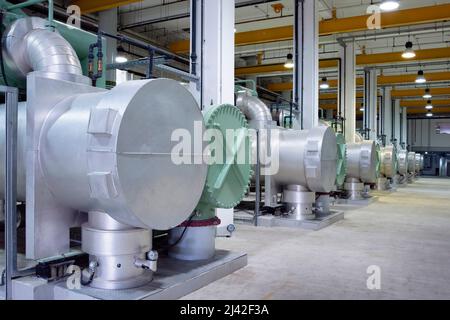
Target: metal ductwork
x=253, y=108
x=29, y=45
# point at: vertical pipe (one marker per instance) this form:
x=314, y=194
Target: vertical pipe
x=11, y=186
x=257, y=178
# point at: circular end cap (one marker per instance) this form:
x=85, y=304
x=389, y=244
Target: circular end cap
x=161, y=173
x=229, y=171
x=320, y=159
x=369, y=161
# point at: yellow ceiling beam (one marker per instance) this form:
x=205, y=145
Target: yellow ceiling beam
x=382, y=80
x=89, y=6
x=423, y=103
x=434, y=111
x=333, y=26
x=419, y=92
x=361, y=60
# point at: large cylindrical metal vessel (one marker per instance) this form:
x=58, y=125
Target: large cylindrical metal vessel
x=112, y=152
x=418, y=162
x=403, y=162
x=389, y=161
x=362, y=161
x=304, y=157
x=116, y=150
x=411, y=162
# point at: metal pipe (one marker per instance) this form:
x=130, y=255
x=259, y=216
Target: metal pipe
x=10, y=186
x=145, y=46
x=257, y=178
x=39, y=50
x=32, y=2
x=253, y=108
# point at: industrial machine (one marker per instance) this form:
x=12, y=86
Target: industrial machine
x=412, y=167
x=295, y=164
x=109, y=162
x=403, y=167
x=388, y=168
x=362, y=169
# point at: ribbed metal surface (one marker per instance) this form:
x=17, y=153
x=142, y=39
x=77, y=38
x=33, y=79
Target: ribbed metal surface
x=29, y=46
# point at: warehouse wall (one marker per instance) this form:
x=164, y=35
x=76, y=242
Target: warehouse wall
x=422, y=135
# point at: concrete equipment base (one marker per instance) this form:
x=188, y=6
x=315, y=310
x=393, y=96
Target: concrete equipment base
x=269, y=221
x=173, y=280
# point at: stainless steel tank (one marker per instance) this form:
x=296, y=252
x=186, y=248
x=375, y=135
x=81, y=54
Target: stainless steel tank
x=403, y=162
x=418, y=162
x=412, y=162
x=362, y=161
x=389, y=162
x=305, y=157
x=111, y=152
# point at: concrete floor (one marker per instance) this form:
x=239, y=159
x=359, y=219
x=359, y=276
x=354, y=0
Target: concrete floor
x=406, y=234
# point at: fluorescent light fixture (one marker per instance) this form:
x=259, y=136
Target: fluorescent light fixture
x=409, y=52
x=121, y=59
x=362, y=107
x=389, y=5
x=427, y=94
x=429, y=105
x=121, y=56
x=420, y=77
x=289, y=64
x=429, y=114
x=324, y=84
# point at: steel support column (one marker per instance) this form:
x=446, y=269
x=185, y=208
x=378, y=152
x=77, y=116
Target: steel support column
x=370, y=103
x=347, y=89
x=404, y=138
x=108, y=23
x=306, y=71
x=212, y=58
x=397, y=122
x=387, y=115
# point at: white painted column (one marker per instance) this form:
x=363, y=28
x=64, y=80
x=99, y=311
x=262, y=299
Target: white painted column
x=347, y=89
x=215, y=51
x=371, y=102
x=405, y=127
x=214, y=43
x=108, y=23
x=306, y=71
x=397, y=121
x=387, y=114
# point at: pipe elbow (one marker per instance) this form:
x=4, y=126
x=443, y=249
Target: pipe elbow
x=253, y=108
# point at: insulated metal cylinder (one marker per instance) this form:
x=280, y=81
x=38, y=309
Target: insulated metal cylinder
x=412, y=162
x=112, y=152
x=302, y=157
x=116, y=150
x=389, y=161
x=403, y=162
x=362, y=161
x=418, y=162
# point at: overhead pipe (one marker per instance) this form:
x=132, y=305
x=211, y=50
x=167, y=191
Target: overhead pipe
x=29, y=46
